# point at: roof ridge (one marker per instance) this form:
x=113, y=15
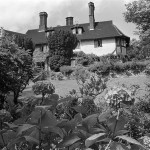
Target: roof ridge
x=14, y=32
x=118, y=30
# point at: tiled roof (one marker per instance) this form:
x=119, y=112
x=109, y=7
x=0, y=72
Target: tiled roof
x=104, y=29
x=11, y=33
x=36, y=36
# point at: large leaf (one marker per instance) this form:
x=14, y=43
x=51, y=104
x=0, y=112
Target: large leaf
x=92, y=139
x=7, y=137
x=68, y=140
x=53, y=129
x=90, y=121
x=121, y=132
x=118, y=146
x=78, y=118
x=95, y=130
x=11, y=125
x=51, y=100
x=80, y=109
x=31, y=139
x=137, y=147
x=15, y=141
x=45, y=107
x=35, y=133
x=104, y=116
x=76, y=145
x=67, y=125
x=36, y=115
x=120, y=123
x=48, y=119
x=24, y=128
x=130, y=140
x=66, y=99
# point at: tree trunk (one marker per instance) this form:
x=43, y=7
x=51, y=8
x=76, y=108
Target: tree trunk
x=2, y=100
x=16, y=95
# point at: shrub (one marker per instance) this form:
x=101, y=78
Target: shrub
x=86, y=59
x=61, y=44
x=59, y=76
x=101, y=68
x=66, y=70
x=43, y=75
x=57, y=61
x=81, y=73
x=43, y=88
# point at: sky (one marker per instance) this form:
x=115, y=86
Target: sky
x=22, y=15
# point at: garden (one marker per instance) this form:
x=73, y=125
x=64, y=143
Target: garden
x=102, y=109
x=103, y=103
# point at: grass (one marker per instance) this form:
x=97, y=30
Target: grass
x=63, y=87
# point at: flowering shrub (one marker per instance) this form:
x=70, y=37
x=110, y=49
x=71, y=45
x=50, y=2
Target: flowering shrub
x=119, y=95
x=43, y=88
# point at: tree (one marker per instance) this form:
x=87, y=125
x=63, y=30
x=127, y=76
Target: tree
x=134, y=50
x=138, y=12
x=61, y=45
x=24, y=42
x=16, y=68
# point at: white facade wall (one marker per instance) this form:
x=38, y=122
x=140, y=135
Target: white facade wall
x=108, y=46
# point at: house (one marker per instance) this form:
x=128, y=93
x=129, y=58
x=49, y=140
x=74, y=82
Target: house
x=4, y=32
x=10, y=33
x=99, y=38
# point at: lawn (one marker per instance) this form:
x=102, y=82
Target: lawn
x=63, y=87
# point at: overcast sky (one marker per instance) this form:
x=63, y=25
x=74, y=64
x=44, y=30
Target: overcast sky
x=21, y=15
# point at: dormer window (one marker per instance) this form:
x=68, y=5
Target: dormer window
x=79, y=30
x=47, y=34
x=74, y=31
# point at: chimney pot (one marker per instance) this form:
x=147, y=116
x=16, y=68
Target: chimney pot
x=69, y=21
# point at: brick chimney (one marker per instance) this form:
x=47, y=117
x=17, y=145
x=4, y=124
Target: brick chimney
x=91, y=15
x=69, y=21
x=43, y=21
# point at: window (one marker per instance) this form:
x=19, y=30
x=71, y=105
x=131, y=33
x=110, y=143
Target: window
x=77, y=30
x=74, y=31
x=42, y=48
x=98, y=43
x=120, y=42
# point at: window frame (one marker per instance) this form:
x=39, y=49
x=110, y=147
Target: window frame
x=98, y=43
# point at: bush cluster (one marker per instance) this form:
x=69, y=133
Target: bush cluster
x=85, y=59
x=118, y=67
x=66, y=70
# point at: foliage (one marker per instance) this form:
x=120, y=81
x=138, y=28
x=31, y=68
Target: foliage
x=138, y=13
x=42, y=130
x=16, y=68
x=119, y=67
x=57, y=61
x=43, y=75
x=92, y=87
x=81, y=73
x=66, y=70
x=75, y=121
x=43, y=88
x=24, y=43
x=61, y=45
x=85, y=59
